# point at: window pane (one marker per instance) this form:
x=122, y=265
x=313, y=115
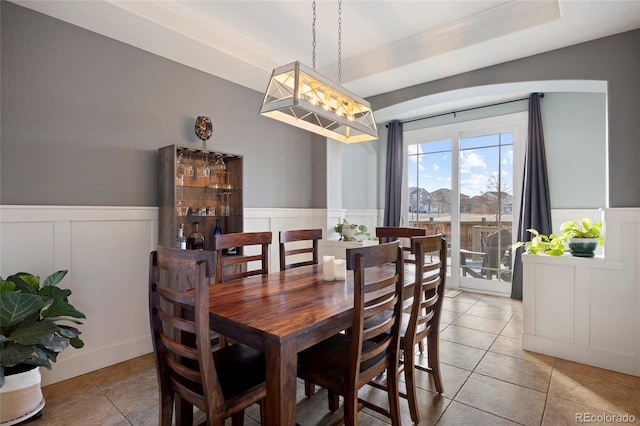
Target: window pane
x=486, y=206
x=437, y=146
x=429, y=181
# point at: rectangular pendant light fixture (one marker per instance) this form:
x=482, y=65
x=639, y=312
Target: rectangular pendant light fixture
x=300, y=96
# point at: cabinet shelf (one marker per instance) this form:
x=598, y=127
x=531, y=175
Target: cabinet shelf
x=218, y=189
x=197, y=194
x=210, y=217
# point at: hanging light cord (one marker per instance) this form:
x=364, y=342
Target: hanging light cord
x=313, y=33
x=339, y=41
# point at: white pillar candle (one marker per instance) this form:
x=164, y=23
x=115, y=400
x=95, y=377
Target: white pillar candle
x=328, y=271
x=340, y=268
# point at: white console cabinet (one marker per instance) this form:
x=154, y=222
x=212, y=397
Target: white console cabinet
x=588, y=310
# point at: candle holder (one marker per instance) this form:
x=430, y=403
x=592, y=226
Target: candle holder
x=328, y=271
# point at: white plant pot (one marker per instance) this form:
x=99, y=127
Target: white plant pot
x=349, y=233
x=20, y=397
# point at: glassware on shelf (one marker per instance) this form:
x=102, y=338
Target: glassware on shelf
x=181, y=241
x=203, y=170
x=225, y=208
x=181, y=208
x=188, y=161
x=218, y=173
x=181, y=168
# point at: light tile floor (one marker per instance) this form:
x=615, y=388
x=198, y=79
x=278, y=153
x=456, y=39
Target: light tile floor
x=488, y=380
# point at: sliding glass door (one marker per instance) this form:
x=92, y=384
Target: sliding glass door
x=460, y=182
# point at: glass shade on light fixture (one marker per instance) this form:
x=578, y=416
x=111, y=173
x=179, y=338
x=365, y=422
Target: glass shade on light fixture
x=300, y=96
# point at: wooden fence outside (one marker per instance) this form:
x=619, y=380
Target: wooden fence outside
x=473, y=234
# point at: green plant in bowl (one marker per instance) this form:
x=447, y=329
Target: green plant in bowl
x=551, y=245
x=351, y=231
x=583, y=236
x=582, y=228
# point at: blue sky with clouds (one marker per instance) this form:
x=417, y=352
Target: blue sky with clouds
x=430, y=164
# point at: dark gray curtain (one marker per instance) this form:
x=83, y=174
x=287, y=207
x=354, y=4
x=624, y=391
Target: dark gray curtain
x=393, y=179
x=535, y=208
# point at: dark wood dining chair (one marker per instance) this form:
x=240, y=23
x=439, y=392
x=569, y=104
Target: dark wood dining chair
x=386, y=234
x=287, y=239
x=404, y=234
x=241, y=265
x=221, y=383
x=230, y=267
x=344, y=363
x=424, y=320
x=309, y=252
x=425, y=299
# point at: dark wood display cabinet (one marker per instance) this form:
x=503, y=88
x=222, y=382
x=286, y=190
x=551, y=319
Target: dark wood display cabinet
x=198, y=186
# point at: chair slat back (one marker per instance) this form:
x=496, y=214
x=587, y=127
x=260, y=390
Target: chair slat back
x=378, y=273
x=180, y=328
x=386, y=234
x=225, y=270
x=311, y=236
x=430, y=277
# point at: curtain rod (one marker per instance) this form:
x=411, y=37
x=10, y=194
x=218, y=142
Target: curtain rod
x=466, y=109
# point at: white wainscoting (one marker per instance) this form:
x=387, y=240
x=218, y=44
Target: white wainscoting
x=276, y=220
x=588, y=310
x=106, y=251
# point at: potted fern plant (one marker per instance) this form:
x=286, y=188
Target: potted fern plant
x=583, y=236
x=37, y=323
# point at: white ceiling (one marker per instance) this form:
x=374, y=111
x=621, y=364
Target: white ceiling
x=386, y=45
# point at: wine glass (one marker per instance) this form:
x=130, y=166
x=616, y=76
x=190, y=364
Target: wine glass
x=218, y=170
x=181, y=170
x=181, y=207
x=228, y=180
x=181, y=166
x=188, y=161
x=225, y=209
x=203, y=170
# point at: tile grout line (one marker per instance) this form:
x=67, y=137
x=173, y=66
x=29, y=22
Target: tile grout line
x=480, y=374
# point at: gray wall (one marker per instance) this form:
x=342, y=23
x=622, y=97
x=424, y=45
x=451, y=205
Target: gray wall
x=359, y=175
x=575, y=144
x=615, y=59
x=82, y=117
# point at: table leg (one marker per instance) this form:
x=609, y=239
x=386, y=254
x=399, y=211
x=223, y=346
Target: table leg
x=282, y=364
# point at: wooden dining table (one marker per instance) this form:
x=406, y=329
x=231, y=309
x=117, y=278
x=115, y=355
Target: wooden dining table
x=282, y=313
